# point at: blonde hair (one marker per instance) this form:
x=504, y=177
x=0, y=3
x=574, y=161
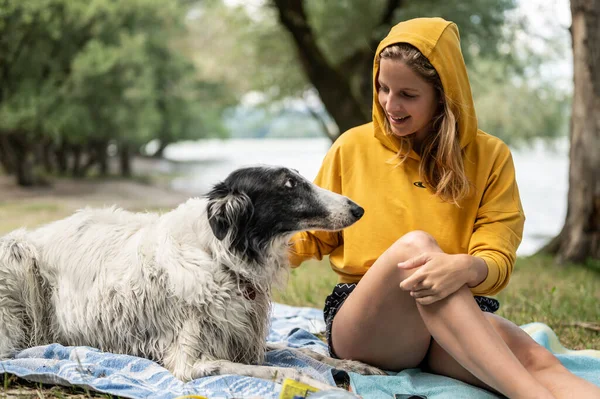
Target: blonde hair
x=441, y=167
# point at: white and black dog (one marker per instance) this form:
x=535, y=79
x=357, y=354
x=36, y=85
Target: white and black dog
x=190, y=289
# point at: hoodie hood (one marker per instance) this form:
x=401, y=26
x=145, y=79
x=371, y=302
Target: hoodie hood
x=439, y=41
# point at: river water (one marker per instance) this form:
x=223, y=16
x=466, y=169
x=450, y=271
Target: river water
x=542, y=173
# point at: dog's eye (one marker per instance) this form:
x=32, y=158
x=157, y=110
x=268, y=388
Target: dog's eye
x=290, y=183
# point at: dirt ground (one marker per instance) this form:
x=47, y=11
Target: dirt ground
x=125, y=193
x=141, y=190
x=29, y=207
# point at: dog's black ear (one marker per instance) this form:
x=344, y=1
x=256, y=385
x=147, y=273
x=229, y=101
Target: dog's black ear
x=228, y=211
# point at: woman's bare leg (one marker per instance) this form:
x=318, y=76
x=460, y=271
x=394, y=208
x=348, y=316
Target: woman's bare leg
x=381, y=324
x=377, y=314
x=540, y=363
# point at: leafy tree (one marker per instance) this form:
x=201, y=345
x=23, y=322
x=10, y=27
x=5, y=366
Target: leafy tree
x=76, y=75
x=329, y=47
x=516, y=109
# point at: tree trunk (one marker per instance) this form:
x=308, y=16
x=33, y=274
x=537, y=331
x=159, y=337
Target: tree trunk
x=580, y=236
x=25, y=169
x=160, y=152
x=92, y=159
x=76, y=171
x=345, y=89
x=125, y=159
x=62, y=158
x=48, y=156
x=101, y=149
x=6, y=156
x=38, y=148
x=23, y=158
x=334, y=88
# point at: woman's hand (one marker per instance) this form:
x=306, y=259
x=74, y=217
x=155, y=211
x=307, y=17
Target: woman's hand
x=441, y=274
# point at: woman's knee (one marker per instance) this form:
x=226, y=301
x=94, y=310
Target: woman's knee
x=412, y=244
x=409, y=245
x=532, y=355
x=536, y=358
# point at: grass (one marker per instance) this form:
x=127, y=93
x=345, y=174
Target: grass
x=29, y=214
x=540, y=290
x=36, y=212
x=15, y=388
x=308, y=285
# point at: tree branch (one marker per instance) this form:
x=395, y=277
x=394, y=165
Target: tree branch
x=293, y=18
x=584, y=324
x=387, y=16
x=332, y=135
x=333, y=87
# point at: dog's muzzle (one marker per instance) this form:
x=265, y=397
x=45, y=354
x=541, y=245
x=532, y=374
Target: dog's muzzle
x=356, y=210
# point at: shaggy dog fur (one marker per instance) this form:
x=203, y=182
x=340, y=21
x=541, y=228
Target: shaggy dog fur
x=190, y=289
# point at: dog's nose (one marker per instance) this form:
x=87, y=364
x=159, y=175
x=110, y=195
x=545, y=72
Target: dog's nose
x=356, y=210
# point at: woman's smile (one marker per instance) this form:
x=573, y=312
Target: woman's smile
x=398, y=120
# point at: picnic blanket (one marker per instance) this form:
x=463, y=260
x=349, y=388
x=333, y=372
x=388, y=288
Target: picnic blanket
x=134, y=377
x=584, y=363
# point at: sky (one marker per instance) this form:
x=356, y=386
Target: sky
x=543, y=12
x=552, y=18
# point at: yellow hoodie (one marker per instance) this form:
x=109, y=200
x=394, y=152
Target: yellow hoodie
x=488, y=224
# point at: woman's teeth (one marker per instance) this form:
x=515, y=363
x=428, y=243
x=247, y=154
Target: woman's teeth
x=399, y=119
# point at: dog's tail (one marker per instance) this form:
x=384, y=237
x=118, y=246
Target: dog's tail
x=23, y=295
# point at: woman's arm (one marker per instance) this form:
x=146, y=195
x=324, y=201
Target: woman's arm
x=441, y=274
x=498, y=228
x=312, y=245
x=492, y=249
x=316, y=244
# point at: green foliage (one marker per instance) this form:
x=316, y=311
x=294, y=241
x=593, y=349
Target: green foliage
x=113, y=90
x=349, y=25
x=81, y=71
x=539, y=290
x=513, y=99
x=517, y=110
x=252, y=52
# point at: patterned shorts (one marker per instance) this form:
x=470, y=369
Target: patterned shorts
x=341, y=292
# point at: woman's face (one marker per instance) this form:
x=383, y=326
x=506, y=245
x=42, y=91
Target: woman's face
x=409, y=102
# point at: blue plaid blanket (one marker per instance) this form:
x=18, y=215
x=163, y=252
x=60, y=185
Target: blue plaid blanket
x=134, y=377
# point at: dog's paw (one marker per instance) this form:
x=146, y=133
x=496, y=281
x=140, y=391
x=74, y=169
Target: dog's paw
x=358, y=367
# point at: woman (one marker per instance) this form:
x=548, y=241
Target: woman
x=442, y=223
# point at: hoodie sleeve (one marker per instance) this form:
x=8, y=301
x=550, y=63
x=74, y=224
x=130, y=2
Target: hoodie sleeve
x=316, y=244
x=498, y=228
